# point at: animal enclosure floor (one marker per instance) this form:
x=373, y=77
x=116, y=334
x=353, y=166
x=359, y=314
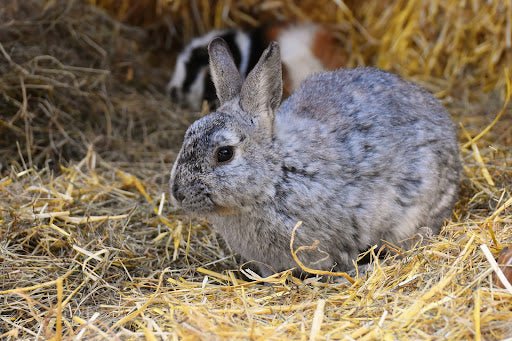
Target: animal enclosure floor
x=90, y=248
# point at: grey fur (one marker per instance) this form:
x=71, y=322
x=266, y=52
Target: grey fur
x=358, y=155
x=225, y=75
x=263, y=88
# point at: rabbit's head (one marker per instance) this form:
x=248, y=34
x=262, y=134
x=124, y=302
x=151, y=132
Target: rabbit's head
x=227, y=162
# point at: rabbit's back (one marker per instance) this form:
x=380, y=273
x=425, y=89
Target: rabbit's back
x=380, y=154
x=354, y=96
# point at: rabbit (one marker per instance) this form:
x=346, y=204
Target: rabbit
x=307, y=48
x=359, y=156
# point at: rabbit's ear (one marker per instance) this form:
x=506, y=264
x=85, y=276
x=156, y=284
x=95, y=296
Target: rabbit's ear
x=224, y=72
x=262, y=90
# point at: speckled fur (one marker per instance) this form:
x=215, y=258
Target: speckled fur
x=358, y=155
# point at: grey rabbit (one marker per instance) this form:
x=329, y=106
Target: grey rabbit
x=358, y=155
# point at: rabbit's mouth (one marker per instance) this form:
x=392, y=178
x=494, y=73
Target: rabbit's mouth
x=205, y=206
x=223, y=211
x=219, y=209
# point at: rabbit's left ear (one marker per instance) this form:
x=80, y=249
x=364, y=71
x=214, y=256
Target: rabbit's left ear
x=262, y=90
x=225, y=75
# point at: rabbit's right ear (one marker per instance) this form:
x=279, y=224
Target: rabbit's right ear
x=225, y=75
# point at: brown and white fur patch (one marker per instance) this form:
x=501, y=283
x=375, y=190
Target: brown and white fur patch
x=305, y=49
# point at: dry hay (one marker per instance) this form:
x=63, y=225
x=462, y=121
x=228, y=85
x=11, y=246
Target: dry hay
x=73, y=77
x=89, y=249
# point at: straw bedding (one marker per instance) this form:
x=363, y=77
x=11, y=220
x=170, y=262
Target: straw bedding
x=89, y=247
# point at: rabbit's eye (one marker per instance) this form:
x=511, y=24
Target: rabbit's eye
x=224, y=154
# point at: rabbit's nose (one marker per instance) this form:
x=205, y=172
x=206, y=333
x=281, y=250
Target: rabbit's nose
x=177, y=194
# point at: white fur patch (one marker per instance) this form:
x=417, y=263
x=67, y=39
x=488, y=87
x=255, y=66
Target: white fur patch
x=194, y=97
x=244, y=45
x=296, y=43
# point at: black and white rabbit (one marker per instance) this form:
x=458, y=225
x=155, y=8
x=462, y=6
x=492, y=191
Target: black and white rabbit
x=358, y=155
x=306, y=49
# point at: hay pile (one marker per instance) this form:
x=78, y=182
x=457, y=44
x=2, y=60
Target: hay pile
x=89, y=248
x=72, y=77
